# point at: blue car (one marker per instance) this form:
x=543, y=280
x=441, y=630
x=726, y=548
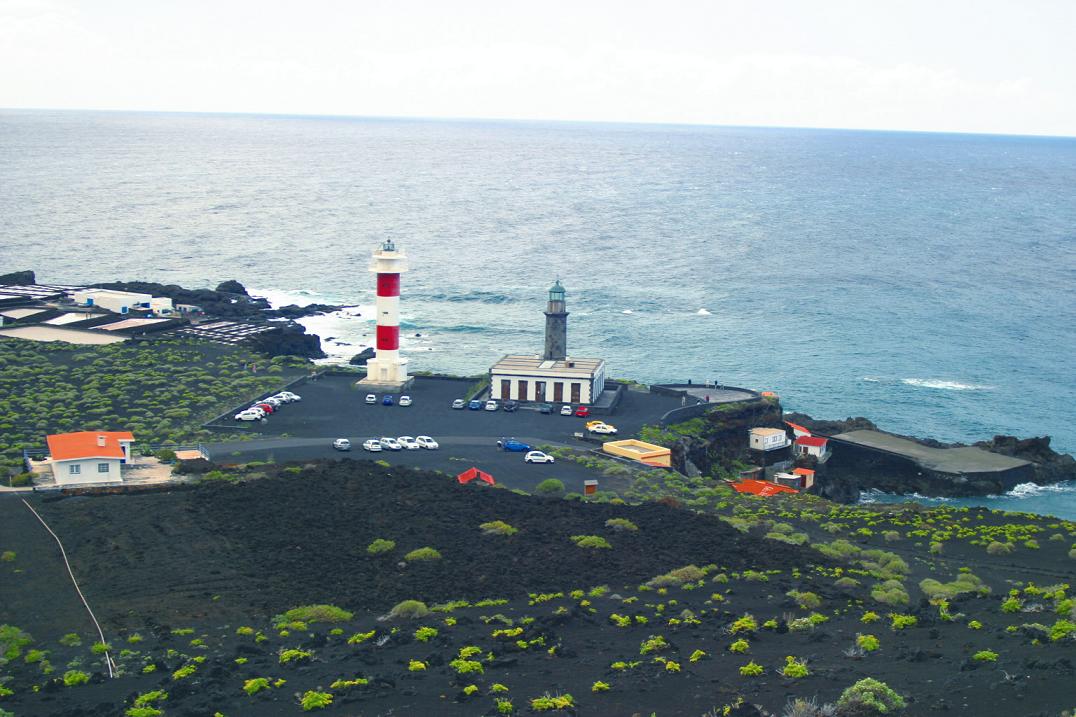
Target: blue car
x=511, y=444
x=387, y=401
x=475, y=405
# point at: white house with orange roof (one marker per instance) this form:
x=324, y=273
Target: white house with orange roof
x=89, y=456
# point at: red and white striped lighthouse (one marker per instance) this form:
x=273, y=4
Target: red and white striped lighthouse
x=387, y=369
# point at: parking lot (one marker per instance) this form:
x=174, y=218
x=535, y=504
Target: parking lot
x=333, y=407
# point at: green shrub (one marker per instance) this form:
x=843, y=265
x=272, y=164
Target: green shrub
x=740, y=646
x=380, y=546
x=890, y=592
x=621, y=525
x=498, y=527
x=12, y=640
x=7, y=556
x=409, y=610
x=686, y=574
x=805, y=600
x=869, y=697
x=869, y=643
x=654, y=643
x=75, y=677
x=985, y=656
x=965, y=583
x=314, y=613
x=71, y=639
x=592, y=542
x=425, y=634
x=313, y=700
x=794, y=669
x=550, y=487
x=288, y=656
x=745, y=624
x=996, y=548
x=1011, y=604
x=1062, y=629
x=899, y=622
x=422, y=555
x=547, y=702
x=751, y=669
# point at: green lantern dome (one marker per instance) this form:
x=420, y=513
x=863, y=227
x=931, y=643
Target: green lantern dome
x=556, y=292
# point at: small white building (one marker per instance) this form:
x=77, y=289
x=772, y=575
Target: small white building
x=533, y=378
x=813, y=446
x=767, y=439
x=89, y=456
x=122, y=302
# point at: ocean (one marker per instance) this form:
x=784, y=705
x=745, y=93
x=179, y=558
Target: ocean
x=925, y=281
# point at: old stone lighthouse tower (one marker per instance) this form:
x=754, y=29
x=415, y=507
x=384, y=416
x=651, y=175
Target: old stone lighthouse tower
x=556, y=325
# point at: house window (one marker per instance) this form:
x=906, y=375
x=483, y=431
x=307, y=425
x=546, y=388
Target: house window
x=74, y=469
x=102, y=468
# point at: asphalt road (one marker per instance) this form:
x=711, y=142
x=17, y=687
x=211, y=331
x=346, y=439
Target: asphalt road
x=333, y=407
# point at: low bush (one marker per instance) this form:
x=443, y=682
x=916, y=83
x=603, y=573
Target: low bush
x=751, y=669
x=425, y=634
x=794, y=669
x=621, y=525
x=72, y=678
x=996, y=548
x=746, y=624
x=805, y=600
x=289, y=656
x=422, y=555
x=890, y=592
x=869, y=697
x=498, y=527
x=964, y=583
x=868, y=643
x=255, y=685
x=899, y=622
x=550, y=487
x=676, y=578
x=592, y=542
x=548, y=703
x=985, y=656
x=314, y=700
x=380, y=546
x=314, y=613
x=409, y=610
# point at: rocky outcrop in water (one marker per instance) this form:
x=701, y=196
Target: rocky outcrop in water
x=18, y=278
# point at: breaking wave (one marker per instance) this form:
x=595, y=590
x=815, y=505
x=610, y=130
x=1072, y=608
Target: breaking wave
x=1033, y=490
x=703, y=312
x=943, y=385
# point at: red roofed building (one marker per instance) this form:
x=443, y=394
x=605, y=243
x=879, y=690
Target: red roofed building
x=89, y=456
x=761, y=487
x=812, y=446
x=797, y=429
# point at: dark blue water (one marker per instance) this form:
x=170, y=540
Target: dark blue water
x=923, y=280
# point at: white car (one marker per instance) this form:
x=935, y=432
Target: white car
x=603, y=428
x=538, y=457
x=290, y=397
x=249, y=416
x=408, y=443
x=405, y=400
x=491, y=405
x=391, y=443
x=342, y=444
x=371, y=398
x=427, y=442
x=566, y=410
x=373, y=445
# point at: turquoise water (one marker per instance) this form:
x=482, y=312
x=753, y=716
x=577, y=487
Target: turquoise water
x=923, y=280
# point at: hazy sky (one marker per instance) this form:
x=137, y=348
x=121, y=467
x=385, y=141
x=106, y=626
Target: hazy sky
x=950, y=65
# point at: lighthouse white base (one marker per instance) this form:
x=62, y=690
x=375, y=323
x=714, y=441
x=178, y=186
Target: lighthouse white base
x=386, y=375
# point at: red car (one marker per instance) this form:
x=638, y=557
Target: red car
x=582, y=412
x=265, y=407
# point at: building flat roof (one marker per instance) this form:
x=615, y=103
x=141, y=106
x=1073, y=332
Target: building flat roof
x=20, y=313
x=57, y=333
x=962, y=459
x=767, y=431
x=535, y=364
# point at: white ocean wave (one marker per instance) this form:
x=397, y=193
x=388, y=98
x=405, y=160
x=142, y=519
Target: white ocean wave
x=703, y=312
x=944, y=385
x=1032, y=490
x=627, y=311
x=870, y=379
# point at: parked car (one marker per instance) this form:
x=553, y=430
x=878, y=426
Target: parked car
x=511, y=444
x=427, y=442
x=373, y=445
x=602, y=428
x=265, y=407
x=510, y=406
x=405, y=400
x=390, y=443
x=249, y=416
x=459, y=403
x=545, y=407
x=565, y=410
x=475, y=405
x=408, y=443
x=387, y=401
x=371, y=398
x=255, y=409
x=274, y=402
x=492, y=405
x=342, y=444
x=537, y=457
x=291, y=397
x=582, y=412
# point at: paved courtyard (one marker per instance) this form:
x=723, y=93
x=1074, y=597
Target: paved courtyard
x=333, y=407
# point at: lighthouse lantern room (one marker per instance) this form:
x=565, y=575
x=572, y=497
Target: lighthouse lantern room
x=387, y=371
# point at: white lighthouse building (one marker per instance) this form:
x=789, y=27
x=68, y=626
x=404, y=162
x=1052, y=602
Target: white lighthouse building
x=387, y=371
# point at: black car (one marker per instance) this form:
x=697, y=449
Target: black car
x=510, y=405
x=546, y=407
